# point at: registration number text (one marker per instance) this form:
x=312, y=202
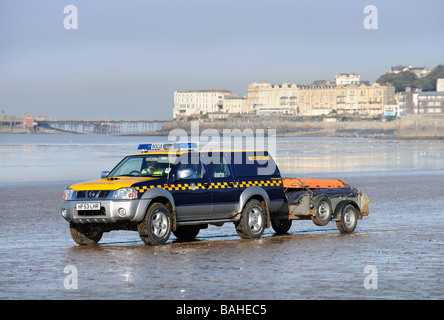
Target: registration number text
x=88, y=206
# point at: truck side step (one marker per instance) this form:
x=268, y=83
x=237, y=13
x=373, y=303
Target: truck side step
x=209, y=221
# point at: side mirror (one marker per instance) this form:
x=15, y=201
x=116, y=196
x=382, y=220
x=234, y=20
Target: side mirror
x=104, y=174
x=183, y=174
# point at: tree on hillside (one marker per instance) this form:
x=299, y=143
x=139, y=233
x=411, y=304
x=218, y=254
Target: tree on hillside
x=428, y=83
x=398, y=80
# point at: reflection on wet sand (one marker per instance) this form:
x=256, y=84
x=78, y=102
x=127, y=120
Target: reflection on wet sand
x=402, y=236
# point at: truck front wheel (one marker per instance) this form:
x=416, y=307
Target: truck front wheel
x=155, y=229
x=85, y=234
x=253, y=220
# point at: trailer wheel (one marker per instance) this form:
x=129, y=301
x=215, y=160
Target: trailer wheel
x=349, y=219
x=252, y=222
x=281, y=226
x=84, y=234
x=323, y=211
x=155, y=229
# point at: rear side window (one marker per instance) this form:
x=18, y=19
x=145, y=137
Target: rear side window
x=253, y=163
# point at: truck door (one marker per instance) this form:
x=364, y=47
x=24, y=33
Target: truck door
x=190, y=187
x=225, y=190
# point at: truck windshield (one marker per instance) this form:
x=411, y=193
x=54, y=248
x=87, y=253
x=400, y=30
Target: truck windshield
x=155, y=165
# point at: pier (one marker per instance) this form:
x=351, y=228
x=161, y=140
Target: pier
x=103, y=126
x=30, y=124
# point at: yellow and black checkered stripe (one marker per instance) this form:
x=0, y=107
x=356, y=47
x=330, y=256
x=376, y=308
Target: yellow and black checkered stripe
x=260, y=183
x=213, y=185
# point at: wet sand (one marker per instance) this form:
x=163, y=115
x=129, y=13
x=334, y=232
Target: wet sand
x=402, y=238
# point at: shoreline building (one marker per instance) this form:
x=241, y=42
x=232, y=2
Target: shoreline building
x=414, y=101
x=364, y=100
x=235, y=105
x=192, y=102
x=267, y=98
x=440, y=85
x=430, y=103
x=316, y=100
x=348, y=95
x=408, y=99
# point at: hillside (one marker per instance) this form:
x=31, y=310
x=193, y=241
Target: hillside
x=399, y=80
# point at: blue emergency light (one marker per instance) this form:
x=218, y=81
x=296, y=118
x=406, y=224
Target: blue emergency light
x=167, y=146
x=144, y=147
x=154, y=146
x=185, y=146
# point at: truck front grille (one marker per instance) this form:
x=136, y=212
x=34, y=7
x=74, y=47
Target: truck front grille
x=92, y=194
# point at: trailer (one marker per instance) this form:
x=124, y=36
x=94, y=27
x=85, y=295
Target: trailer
x=322, y=201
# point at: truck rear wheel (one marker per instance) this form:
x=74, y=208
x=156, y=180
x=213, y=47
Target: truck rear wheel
x=186, y=233
x=349, y=219
x=253, y=220
x=155, y=229
x=84, y=234
x=323, y=211
x=281, y=226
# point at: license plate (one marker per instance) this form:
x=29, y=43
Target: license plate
x=88, y=206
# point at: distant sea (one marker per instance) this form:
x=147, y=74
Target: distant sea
x=59, y=157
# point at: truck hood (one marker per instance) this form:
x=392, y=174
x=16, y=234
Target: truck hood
x=111, y=183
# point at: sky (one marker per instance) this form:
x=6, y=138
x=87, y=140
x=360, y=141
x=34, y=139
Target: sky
x=126, y=58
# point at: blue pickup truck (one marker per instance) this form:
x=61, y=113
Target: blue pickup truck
x=178, y=189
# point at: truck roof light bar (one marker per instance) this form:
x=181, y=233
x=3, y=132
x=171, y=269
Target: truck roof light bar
x=167, y=146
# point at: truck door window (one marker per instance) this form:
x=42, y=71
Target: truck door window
x=218, y=168
x=196, y=169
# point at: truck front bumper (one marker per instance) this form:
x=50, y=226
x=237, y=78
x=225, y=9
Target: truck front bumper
x=110, y=211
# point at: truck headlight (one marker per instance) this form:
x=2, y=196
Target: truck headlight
x=125, y=194
x=67, y=195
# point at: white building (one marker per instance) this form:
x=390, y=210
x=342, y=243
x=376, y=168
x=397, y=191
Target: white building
x=430, y=102
x=195, y=102
x=344, y=79
x=414, y=101
x=440, y=85
x=420, y=72
x=267, y=98
x=235, y=105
